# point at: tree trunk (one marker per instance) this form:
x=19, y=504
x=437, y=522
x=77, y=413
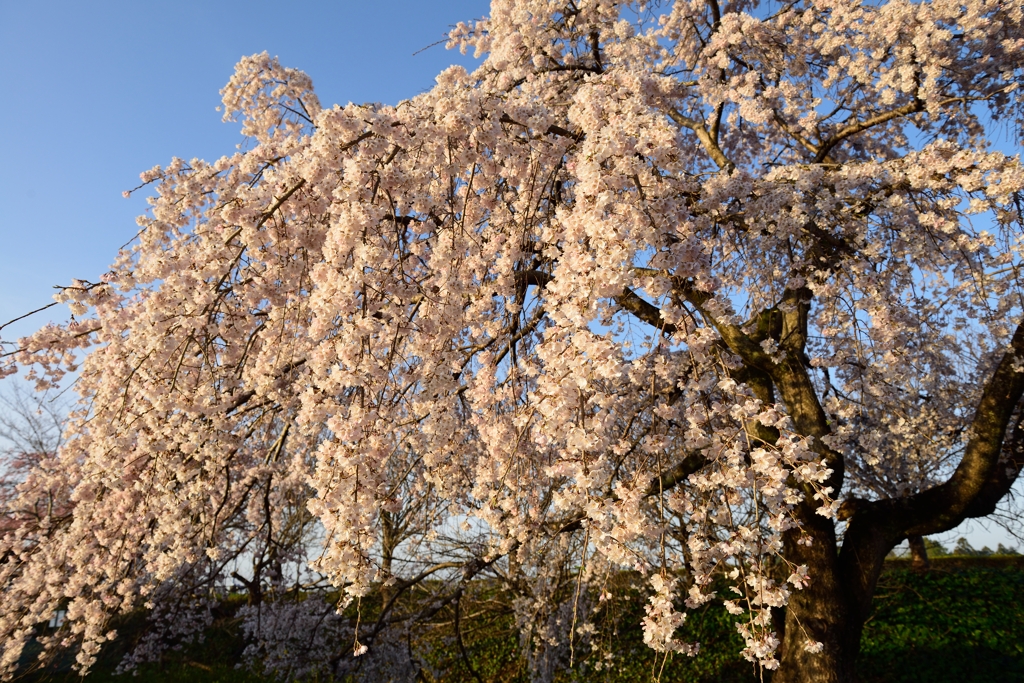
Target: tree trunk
x=388, y=542
x=836, y=629
x=820, y=613
x=918, y=552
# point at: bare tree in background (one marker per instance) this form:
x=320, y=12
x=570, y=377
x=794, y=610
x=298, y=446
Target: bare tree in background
x=30, y=434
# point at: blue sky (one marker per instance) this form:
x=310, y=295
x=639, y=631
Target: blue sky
x=93, y=93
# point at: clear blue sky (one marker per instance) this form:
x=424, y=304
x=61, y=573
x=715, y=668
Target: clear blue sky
x=94, y=92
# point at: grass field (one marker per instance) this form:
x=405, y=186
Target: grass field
x=962, y=621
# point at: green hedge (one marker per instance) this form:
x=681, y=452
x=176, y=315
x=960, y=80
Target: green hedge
x=961, y=621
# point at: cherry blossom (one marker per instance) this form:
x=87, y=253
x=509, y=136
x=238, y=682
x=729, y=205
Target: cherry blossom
x=707, y=287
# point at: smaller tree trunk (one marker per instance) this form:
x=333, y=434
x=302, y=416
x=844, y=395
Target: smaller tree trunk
x=918, y=552
x=390, y=538
x=253, y=588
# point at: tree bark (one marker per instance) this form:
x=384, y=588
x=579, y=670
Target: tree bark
x=834, y=606
x=817, y=614
x=390, y=538
x=918, y=552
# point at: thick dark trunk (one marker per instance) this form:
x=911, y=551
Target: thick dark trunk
x=820, y=613
x=834, y=606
